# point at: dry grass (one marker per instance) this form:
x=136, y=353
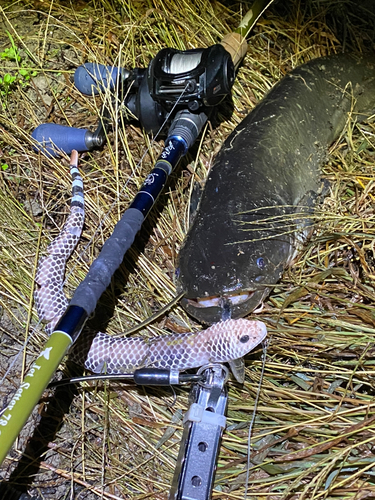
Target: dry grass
x=313, y=430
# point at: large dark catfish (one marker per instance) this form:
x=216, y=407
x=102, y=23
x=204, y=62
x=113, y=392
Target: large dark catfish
x=266, y=173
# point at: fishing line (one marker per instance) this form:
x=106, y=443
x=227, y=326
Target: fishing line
x=265, y=347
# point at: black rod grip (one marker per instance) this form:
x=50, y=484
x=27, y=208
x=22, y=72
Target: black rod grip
x=111, y=256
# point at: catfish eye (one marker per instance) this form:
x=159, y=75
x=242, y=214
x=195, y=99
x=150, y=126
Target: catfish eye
x=244, y=339
x=260, y=263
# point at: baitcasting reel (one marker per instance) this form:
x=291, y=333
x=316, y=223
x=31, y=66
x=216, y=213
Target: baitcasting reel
x=193, y=80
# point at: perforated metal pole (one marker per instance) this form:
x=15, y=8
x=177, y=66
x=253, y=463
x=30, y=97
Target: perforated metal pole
x=204, y=424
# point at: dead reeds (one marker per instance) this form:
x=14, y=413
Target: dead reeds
x=314, y=427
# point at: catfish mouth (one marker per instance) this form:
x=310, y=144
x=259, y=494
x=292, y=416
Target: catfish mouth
x=235, y=299
x=211, y=309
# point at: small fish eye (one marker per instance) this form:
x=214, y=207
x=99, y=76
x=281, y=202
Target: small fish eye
x=261, y=263
x=244, y=339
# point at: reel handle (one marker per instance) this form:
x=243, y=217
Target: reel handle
x=92, y=78
x=52, y=139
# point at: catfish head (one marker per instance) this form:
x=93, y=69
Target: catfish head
x=227, y=270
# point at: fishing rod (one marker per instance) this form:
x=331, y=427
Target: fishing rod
x=185, y=71
x=182, y=133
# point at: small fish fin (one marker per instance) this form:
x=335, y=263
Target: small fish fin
x=238, y=369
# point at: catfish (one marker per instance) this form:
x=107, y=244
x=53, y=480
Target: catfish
x=265, y=179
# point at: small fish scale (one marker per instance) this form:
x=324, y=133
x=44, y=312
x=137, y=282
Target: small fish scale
x=100, y=352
